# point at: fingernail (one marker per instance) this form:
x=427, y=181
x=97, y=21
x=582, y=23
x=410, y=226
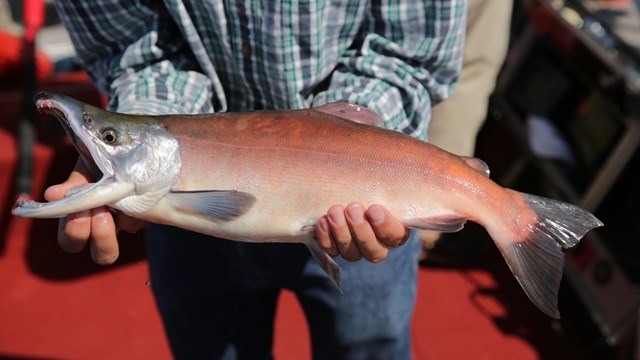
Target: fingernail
x=323, y=224
x=337, y=216
x=376, y=214
x=356, y=213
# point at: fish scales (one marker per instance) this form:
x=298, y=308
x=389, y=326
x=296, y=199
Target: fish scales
x=291, y=156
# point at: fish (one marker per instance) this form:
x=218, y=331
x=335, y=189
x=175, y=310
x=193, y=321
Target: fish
x=270, y=175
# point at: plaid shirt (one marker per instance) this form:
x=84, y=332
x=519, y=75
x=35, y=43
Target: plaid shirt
x=396, y=57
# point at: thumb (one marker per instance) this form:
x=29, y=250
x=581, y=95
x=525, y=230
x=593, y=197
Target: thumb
x=78, y=176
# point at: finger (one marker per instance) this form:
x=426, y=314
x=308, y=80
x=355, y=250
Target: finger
x=58, y=191
x=77, y=177
x=387, y=228
x=74, y=231
x=104, y=243
x=341, y=234
x=128, y=223
x=363, y=235
x=323, y=237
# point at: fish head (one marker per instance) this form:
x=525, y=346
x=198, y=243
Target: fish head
x=122, y=151
x=130, y=147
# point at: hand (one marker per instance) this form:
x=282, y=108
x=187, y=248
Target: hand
x=354, y=232
x=96, y=226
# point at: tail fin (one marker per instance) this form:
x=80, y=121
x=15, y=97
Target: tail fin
x=537, y=261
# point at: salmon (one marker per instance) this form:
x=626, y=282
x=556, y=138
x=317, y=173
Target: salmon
x=268, y=176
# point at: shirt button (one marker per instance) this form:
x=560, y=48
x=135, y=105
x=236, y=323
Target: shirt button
x=246, y=50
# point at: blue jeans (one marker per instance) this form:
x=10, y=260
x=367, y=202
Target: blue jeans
x=218, y=297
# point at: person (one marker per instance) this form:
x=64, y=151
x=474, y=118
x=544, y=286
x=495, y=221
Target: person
x=456, y=122
x=217, y=297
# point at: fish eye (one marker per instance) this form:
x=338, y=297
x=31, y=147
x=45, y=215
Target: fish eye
x=109, y=136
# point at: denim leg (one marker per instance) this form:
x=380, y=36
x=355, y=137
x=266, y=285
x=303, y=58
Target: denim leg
x=213, y=302
x=372, y=319
x=217, y=297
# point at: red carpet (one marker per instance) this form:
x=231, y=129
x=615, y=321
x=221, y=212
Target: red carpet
x=61, y=306
x=110, y=314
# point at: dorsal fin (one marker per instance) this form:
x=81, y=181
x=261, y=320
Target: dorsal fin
x=351, y=112
x=477, y=164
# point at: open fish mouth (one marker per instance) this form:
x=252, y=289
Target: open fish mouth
x=48, y=104
x=76, y=118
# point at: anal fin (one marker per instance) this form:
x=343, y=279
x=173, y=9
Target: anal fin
x=351, y=112
x=444, y=223
x=479, y=165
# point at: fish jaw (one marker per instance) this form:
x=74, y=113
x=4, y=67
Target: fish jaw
x=104, y=192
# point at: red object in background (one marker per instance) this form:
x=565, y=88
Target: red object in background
x=15, y=52
x=58, y=305
x=12, y=64
x=611, y=3
x=33, y=18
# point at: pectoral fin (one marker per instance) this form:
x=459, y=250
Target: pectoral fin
x=216, y=205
